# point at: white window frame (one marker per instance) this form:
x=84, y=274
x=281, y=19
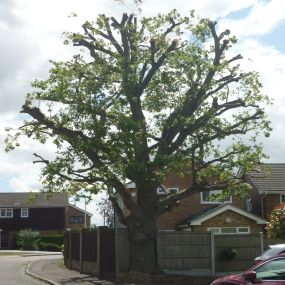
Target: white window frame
x=248, y=204
x=202, y=201
x=176, y=189
x=6, y=213
x=24, y=212
x=76, y=219
x=282, y=198
x=219, y=230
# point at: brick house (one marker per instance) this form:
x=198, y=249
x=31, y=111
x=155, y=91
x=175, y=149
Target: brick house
x=268, y=182
x=230, y=215
x=46, y=213
x=75, y=218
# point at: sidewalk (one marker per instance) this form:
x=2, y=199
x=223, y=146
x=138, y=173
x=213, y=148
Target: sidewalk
x=52, y=271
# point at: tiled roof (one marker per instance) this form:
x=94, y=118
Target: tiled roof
x=269, y=178
x=81, y=210
x=197, y=214
x=33, y=200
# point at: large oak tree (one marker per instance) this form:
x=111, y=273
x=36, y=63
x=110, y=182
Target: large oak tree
x=144, y=97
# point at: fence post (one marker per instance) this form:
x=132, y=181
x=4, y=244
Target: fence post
x=116, y=246
x=81, y=251
x=158, y=248
x=70, y=250
x=213, y=252
x=98, y=251
x=261, y=243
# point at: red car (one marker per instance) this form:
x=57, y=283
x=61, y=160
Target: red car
x=269, y=272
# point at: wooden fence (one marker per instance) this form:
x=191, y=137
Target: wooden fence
x=247, y=248
x=91, y=252
x=180, y=251
x=106, y=252
x=188, y=252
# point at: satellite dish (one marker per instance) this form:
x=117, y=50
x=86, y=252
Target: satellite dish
x=160, y=190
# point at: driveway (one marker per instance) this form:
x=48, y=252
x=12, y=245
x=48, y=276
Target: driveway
x=12, y=270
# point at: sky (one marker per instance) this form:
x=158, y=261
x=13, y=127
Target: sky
x=31, y=35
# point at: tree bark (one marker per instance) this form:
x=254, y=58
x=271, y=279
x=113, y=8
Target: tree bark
x=142, y=240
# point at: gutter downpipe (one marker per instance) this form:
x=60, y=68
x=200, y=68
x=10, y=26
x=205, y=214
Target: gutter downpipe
x=262, y=205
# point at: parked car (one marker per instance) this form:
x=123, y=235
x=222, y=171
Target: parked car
x=270, y=272
x=272, y=251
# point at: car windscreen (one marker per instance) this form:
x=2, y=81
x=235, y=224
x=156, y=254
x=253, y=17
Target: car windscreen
x=271, y=252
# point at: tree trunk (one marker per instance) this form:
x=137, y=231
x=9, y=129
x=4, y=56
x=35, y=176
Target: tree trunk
x=142, y=239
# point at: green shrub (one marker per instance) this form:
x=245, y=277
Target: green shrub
x=276, y=227
x=49, y=246
x=56, y=239
x=28, y=239
x=228, y=253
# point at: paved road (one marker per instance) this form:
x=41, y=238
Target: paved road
x=12, y=270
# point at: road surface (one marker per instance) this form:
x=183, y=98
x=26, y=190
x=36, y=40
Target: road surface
x=12, y=270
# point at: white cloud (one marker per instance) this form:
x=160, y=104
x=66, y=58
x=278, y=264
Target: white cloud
x=207, y=8
x=262, y=19
x=270, y=63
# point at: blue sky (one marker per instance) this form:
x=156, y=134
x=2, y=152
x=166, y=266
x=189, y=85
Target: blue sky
x=31, y=35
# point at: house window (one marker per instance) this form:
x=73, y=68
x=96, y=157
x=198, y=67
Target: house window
x=76, y=219
x=214, y=230
x=6, y=213
x=24, y=212
x=173, y=190
x=248, y=204
x=282, y=198
x=207, y=199
x=229, y=230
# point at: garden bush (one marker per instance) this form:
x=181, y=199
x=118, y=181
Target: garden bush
x=55, y=239
x=49, y=246
x=28, y=239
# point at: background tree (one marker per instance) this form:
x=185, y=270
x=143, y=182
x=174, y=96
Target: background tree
x=106, y=211
x=145, y=97
x=276, y=226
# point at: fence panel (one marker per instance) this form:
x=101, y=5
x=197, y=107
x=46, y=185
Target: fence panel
x=75, y=248
x=246, y=246
x=89, y=246
x=184, y=251
x=107, y=256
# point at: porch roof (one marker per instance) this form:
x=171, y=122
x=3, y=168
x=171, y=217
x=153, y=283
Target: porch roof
x=198, y=218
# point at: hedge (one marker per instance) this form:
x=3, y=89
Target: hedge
x=52, y=239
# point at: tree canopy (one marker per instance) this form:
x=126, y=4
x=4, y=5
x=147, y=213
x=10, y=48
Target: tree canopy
x=144, y=97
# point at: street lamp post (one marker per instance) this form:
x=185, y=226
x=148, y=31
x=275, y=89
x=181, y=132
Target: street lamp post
x=85, y=215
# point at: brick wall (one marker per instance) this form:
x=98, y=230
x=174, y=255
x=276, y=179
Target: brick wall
x=269, y=202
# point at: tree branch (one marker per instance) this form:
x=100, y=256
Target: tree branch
x=93, y=47
x=155, y=66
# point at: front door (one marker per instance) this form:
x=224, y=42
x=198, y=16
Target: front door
x=4, y=239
